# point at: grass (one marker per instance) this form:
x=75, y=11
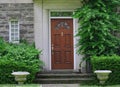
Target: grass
x=14, y=85
x=37, y=85
x=101, y=86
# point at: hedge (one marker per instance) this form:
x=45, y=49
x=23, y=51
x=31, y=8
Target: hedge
x=108, y=63
x=18, y=57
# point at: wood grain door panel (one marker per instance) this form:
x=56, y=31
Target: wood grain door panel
x=62, y=43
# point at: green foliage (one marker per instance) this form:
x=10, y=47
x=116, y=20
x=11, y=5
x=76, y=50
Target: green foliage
x=2, y=46
x=19, y=57
x=97, y=20
x=108, y=63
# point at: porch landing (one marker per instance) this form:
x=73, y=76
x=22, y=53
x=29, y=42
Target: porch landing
x=62, y=77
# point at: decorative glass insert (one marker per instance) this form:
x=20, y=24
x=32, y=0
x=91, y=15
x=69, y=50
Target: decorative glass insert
x=62, y=24
x=61, y=14
x=14, y=31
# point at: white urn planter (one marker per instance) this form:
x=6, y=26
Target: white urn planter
x=20, y=76
x=102, y=75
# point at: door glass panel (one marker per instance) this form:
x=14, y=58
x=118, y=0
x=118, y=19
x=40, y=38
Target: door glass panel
x=61, y=14
x=62, y=24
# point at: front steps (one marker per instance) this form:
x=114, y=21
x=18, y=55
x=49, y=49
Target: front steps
x=62, y=77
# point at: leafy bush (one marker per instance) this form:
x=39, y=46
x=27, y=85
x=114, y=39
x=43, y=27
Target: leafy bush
x=19, y=57
x=108, y=63
x=98, y=19
x=2, y=46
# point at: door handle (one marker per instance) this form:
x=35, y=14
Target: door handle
x=62, y=34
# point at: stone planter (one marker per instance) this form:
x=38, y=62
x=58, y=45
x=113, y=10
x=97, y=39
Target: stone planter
x=20, y=76
x=102, y=75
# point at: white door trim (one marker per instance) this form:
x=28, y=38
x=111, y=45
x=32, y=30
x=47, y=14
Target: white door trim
x=50, y=65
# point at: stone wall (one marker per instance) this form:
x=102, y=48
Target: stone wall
x=24, y=13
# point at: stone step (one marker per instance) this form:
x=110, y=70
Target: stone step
x=64, y=75
x=62, y=80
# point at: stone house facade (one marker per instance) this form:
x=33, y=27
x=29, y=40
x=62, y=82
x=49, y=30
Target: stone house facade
x=49, y=24
x=22, y=13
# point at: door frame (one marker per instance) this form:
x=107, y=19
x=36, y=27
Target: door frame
x=74, y=54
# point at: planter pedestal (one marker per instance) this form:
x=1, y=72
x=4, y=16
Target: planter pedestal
x=20, y=77
x=102, y=75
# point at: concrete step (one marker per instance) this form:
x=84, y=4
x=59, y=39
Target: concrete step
x=64, y=77
x=62, y=80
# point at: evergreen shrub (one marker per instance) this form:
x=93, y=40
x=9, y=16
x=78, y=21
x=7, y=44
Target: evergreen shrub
x=19, y=57
x=108, y=63
x=97, y=20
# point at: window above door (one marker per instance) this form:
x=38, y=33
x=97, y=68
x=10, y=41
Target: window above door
x=61, y=14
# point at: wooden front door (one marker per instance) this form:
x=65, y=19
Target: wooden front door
x=62, y=43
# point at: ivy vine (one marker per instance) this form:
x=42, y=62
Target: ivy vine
x=97, y=20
